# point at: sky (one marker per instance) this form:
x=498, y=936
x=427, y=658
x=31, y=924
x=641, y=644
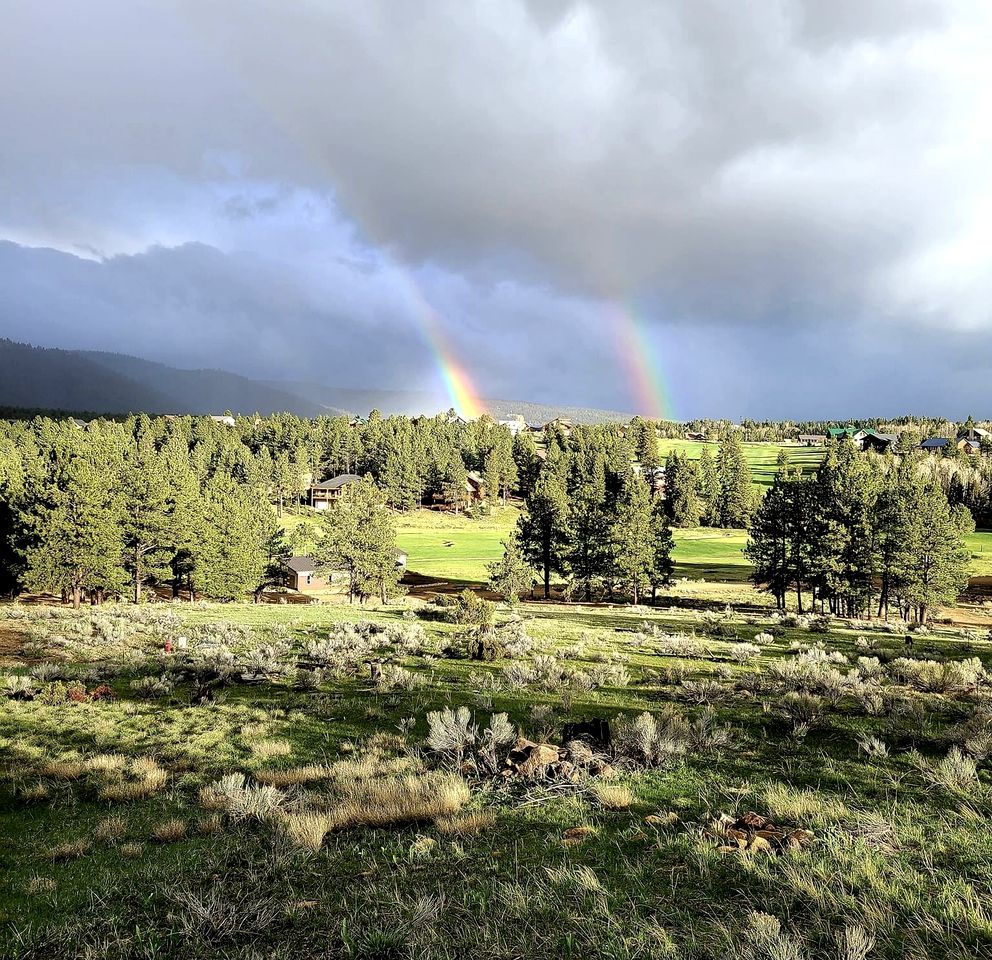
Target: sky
x=677, y=208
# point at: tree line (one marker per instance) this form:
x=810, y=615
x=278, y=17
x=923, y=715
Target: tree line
x=863, y=535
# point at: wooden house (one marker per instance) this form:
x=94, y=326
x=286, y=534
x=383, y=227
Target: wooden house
x=812, y=439
x=324, y=494
x=301, y=575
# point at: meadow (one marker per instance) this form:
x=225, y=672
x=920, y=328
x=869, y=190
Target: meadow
x=772, y=787
x=702, y=778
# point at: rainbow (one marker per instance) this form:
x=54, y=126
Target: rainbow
x=642, y=363
x=462, y=394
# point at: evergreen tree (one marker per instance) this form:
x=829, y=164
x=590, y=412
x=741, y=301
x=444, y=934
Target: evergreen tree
x=633, y=535
x=146, y=515
x=238, y=523
x=75, y=534
x=682, y=483
x=736, y=498
x=360, y=539
x=662, y=567
x=935, y=565
x=511, y=575
x=542, y=529
x=589, y=529
x=709, y=489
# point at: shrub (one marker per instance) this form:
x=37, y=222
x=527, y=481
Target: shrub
x=745, y=652
x=954, y=773
x=240, y=800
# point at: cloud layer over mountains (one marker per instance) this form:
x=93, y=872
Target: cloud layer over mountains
x=792, y=196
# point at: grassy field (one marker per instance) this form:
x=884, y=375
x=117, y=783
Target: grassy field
x=762, y=457
x=306, y=815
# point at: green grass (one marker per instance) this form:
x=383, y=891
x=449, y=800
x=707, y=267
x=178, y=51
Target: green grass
x=761, y=457
x=979, y=546
x=909, y=862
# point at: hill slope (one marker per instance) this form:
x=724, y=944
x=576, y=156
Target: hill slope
x=115, y=383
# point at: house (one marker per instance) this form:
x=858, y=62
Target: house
x=873, y=440
x=322, y=495
x=970, y=446
x=812, y=439
x=300, y=575
x=515, y=425
x=564, y=424
x=80, y=424
x=935, y=444
x=694, y=435
x=475, y=485
x=839, y=433
x=401, y=558
x=225, y=419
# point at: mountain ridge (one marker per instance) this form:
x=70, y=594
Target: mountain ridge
x=52, y=378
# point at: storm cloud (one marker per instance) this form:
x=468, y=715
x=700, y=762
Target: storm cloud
x=794, y=196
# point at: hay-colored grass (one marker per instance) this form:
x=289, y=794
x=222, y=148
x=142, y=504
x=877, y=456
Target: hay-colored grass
x=293, y=776
x=267, y=749
x=306, y=828
x=171, y=831
x=613, y=796
x=395, y=800
x=802, y=806
x=466, y=824
x=148, y=779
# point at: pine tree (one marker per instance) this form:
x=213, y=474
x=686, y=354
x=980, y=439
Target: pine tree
x=542, y=529
x=633, y=535
x=237, y=524
x=75, y=534
x=736, y=503
x=709, y=490
x=662, y=567
x=589, y=529
x=511, y=575
x=935, y=565
x=360, y=539
x=682, y=482
x=146, y=515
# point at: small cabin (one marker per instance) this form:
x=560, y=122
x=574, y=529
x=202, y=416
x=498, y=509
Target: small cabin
x=300, y=575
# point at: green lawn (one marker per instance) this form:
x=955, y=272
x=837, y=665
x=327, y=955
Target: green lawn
x=762, y=457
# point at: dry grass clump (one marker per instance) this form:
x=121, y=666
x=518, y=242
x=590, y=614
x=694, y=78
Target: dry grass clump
x=146, y=778
x=613, y=796
x=111, y=829
x=212, y=824
x=70, y=850
x=293, y=776
x=38, y=885
x=306, y=828
x=267, y=749
x=407, y=799
x=67, y=769
x=171, y=831
x=34, y=792
x=466, y=824
x=790, y=805
x=133, y=850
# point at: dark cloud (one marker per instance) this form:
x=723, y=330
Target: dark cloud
x=761, y=177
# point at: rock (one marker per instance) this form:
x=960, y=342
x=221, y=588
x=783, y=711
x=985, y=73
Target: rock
x=529, y=759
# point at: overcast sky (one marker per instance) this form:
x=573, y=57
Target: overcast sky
x=793, y=196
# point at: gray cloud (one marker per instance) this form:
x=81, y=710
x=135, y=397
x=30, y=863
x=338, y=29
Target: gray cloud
x=755, y=176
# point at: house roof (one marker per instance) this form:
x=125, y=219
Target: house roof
x=934, y=443
x=300, y=564
x=887, y=437
x=841, y=431
x=336, y=483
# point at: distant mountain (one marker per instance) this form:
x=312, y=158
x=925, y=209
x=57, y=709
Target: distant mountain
x=414, y=402
x=75, y=380
x=40, y=378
